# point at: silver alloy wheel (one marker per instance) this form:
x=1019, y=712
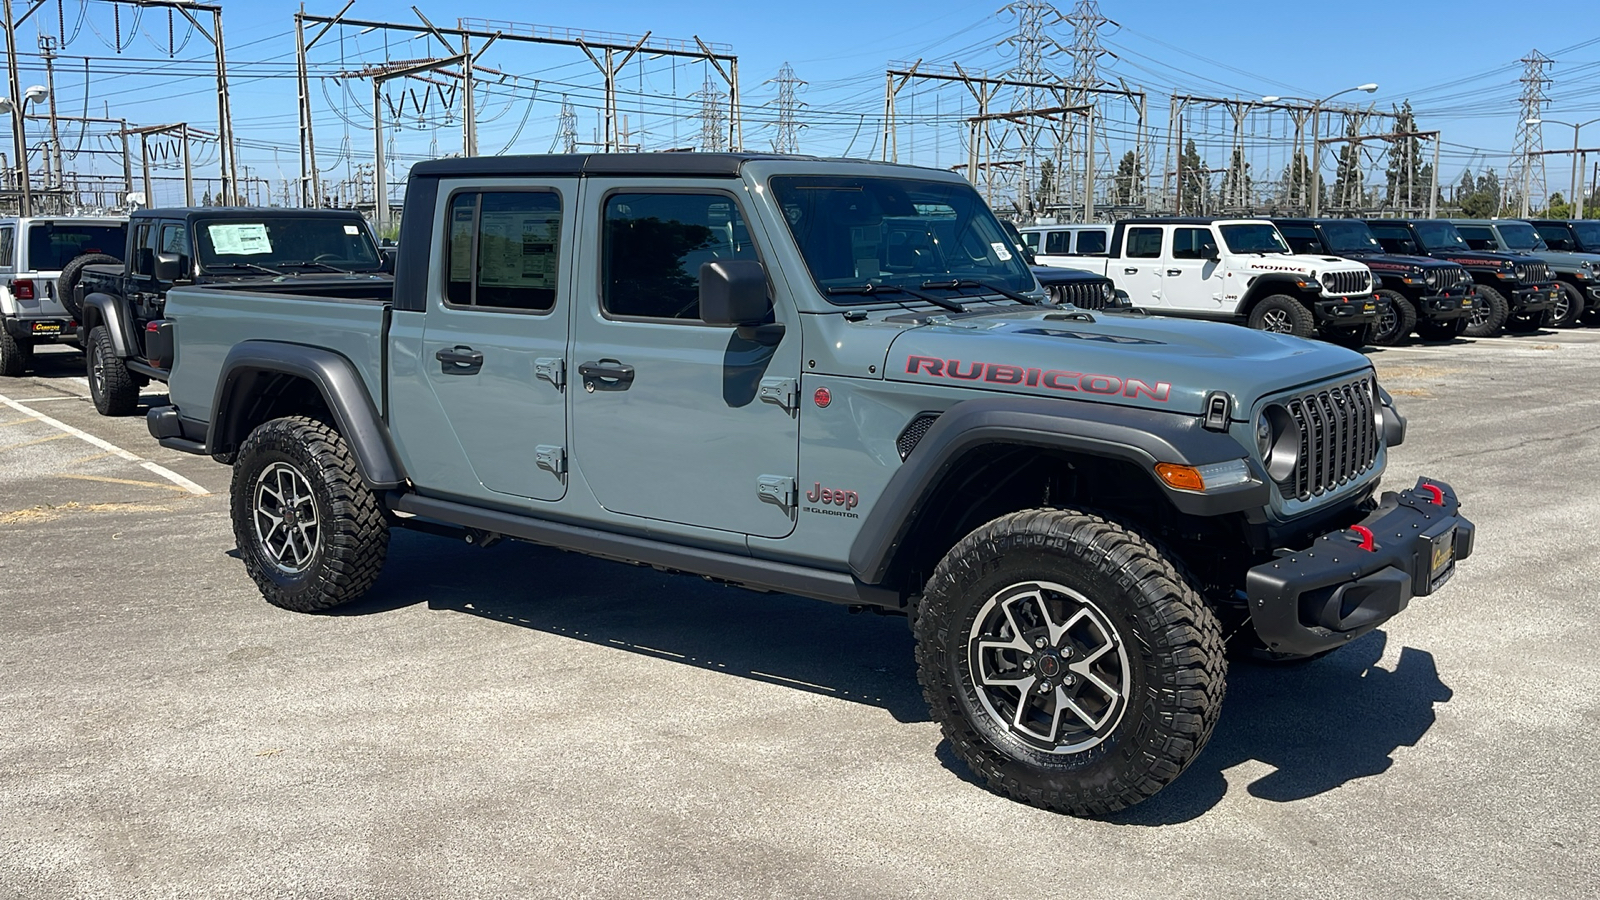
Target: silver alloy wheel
x=1558, y=313
x=288, y=529
x=1047, y=666
x=1276, y=321
x=1479, y=314
x=97, y=369
x=1388, y=321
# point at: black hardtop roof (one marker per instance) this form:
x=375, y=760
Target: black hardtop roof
x=1306, y=220
x=682, y=165
x=255, y=212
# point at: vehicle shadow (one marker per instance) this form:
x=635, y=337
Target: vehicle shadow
x=1318, y=726
x=778, y=639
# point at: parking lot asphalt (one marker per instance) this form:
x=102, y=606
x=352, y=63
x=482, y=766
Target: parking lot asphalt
x=517, y=721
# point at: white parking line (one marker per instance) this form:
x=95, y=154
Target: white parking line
x=82, y=435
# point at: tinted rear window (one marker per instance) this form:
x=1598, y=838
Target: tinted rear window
x=51, y=245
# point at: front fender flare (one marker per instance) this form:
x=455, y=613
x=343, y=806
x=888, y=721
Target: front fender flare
x=1138, y=436
x=335, y=378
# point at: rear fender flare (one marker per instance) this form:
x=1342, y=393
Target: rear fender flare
x=334, y=377
x=1138, y=436
x=107, y=310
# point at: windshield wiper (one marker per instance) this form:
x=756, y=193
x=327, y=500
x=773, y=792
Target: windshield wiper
x=869, y=289
x=252, y=266
x=956, y=284
x=316, y=263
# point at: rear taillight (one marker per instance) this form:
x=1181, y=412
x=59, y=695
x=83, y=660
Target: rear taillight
x=22, y=289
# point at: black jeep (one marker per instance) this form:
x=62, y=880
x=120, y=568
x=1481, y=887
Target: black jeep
x=1512, y=289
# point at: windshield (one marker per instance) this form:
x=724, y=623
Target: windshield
x=1253, y=238
x=51, y=245
x=1349, y=237
x=1439, y=236
x=1588, y=234
x=1520, y=236
x=896, y=232
x=277, y=241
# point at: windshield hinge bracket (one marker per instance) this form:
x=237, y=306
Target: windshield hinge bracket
x=783, y=391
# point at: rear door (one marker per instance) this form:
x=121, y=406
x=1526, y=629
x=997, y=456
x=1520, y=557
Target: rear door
x=495, y=335
x=1089, y=241
x=1139, y=270
x=679, y=421
x=1188, y=279
x=1057, y=246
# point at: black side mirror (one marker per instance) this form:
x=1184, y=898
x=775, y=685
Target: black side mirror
x=734, y=292
x=168, y=267
x=1210, y=252
x=386, y=259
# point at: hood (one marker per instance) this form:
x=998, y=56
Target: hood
x=1569, y=258
x=1301, y=263
x=1392, y=261
x=1480, y=258
x=1126, y=359
x=1062, y=275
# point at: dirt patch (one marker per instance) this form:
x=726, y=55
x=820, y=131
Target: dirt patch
x=36, y=514
x=1422, y=371
x=1411, y=392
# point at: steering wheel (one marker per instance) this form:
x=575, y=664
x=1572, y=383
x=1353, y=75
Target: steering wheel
x=322, y=256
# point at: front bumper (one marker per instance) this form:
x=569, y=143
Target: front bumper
x=46, y=328
x=1346, y=312
x=1336, y=589
x=1444, y=307
x=1536, y=298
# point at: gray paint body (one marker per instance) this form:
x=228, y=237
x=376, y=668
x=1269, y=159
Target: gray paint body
x=677, y=457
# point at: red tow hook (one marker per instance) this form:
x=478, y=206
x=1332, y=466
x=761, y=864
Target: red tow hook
x=1436, y=491
x=1366, y=537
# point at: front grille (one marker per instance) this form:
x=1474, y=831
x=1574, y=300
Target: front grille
x=1082, y=294
x=1346, y=282
x=1533, y=273
x=1339, y=436
x=913, y=433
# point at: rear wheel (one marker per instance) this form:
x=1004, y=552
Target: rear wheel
x=1568, y=311
x=111, y=385
x=1282, y=314
x=72, y=273
x=1069, y=663
x=15, y=355
x=1489, y=312
x=1396, y=319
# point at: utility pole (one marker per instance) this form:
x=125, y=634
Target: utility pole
x=18, y=140
x=47, y=49
x=1528, y=151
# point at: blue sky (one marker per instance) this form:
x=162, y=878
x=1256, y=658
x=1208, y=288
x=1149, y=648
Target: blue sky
x=1456, y=62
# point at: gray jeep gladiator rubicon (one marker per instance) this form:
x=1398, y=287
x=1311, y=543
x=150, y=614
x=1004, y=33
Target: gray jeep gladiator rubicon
x=126, y=343
x=834, y=379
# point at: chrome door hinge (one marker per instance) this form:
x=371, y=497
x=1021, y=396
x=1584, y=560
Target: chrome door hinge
x=552, y=369
x=779, y=489
x=783, y=391
x=551, y=458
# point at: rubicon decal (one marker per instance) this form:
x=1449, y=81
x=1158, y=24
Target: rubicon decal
x=1054, y=379
x=842, y=500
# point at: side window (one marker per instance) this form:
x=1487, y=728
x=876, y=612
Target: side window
x=654, y=244
x=504, y=250
x=1144, y=243
x=1055, y=243
x=1478, y=237
x=144, y=254
x=8, y=247
x=1393, y=238
x=1091, y=242
x=1555, y=237
x=1191, y=243
x=1030, y=239
x=1301, y=239
x=175, y=240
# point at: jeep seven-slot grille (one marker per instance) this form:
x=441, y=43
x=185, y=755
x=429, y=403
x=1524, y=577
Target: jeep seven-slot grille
x=1339, y=436
x=1533, y=273
x=1454, y=276
x=1345, y=282
x=1082, y=294
x=912, y=435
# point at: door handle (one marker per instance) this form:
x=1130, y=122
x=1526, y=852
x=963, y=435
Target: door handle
x=1130, y=271
x=459, y=361
x=605, y=375
x=1174, y=271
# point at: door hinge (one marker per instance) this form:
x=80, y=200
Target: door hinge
x=551, y=458
x=552, y=369
x=779, y=489
x=783, y=391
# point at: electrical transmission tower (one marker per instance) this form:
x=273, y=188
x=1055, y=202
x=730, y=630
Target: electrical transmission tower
x=1033, y=45
x=713, y=127
x=566, y=128
x=788, y=123
x=1526, y=173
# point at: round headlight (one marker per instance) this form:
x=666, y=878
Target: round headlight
x=1107, y=291
x=1278, y=439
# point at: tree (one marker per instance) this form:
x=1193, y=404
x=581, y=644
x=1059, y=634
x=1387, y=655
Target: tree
x=1347, y=183
x=1236, y=184
x=1408, y=176
x=1483, y=198
x=1558, y=207
x=1193, y=182
x=1127, y=186
x=1297, y=182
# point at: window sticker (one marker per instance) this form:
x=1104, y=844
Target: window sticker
x=239, y=239
x=461, y=243
x=518, y=249
x=352, y=229
x=1001, y=251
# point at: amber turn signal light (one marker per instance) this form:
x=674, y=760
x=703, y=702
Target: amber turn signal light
x=1184, y=478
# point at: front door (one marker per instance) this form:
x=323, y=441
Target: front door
x=1139, y=270
x=495, y=334
x=676, y=420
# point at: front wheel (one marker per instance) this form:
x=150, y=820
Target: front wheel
x=1396, y=319
x=311, y=533
x=111, y=385
x=1068, y=662
x=1489, y=312
x=1568, y=311
x=1282, y=314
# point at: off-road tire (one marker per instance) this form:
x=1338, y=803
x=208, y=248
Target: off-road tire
x=1282, y=314
x=1489, y=319
x=1169, y=640
x=1447, y=330
x=15, y=356
x=72, y=273
x=1349, y=338
x=350, y=538
x=1572, y=313
x=111, y=385
x=1395, y=326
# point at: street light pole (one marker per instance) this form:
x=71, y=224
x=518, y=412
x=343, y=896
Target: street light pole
x=1316, y=149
